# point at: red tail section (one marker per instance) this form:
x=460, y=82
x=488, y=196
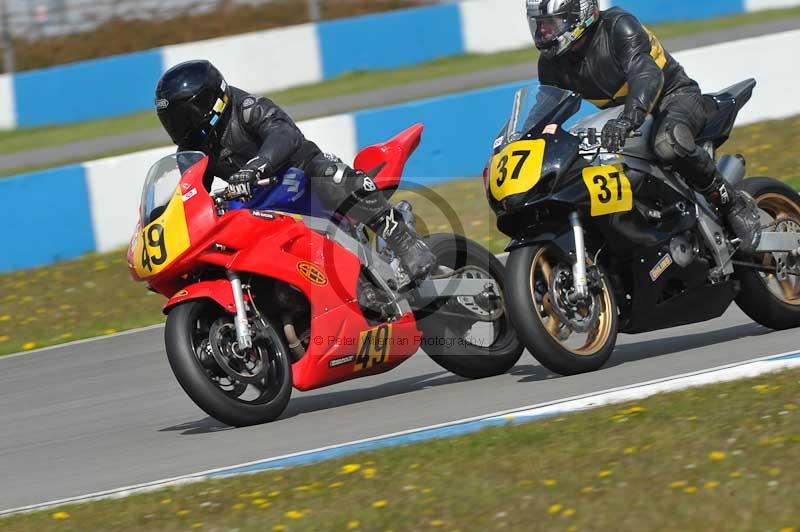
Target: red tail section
x=385, y=162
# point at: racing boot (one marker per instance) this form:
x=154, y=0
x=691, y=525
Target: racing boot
x=740, y=211
x=414, y=254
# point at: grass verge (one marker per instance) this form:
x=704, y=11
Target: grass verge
x=357, y=82
x=721, y=457
x=93, y=295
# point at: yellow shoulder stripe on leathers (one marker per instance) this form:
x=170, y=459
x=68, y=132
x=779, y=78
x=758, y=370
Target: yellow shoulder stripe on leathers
x=658, y=55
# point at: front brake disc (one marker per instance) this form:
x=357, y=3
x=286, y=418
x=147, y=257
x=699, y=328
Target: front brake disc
x=247, y=366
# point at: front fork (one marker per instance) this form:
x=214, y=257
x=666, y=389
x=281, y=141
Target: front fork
x=581, y=281
x=244, y=333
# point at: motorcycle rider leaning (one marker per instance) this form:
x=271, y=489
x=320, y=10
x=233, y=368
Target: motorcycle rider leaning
x=612, y=60
x=250, y=140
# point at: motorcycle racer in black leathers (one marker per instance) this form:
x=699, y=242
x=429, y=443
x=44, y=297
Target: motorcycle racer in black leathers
x=612, y=60
x=251, y=140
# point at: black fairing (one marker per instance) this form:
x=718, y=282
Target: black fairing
x=555, y=191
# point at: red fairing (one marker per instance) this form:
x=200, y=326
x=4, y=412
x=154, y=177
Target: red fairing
x=278, y=246
x=390, y=157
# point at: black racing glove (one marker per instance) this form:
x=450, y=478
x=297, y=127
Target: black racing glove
x=615, y=133
x=240, y=184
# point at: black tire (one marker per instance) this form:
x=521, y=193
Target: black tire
x=464, y=359
x=531, y=329
x=180, y=343
x=755, y=298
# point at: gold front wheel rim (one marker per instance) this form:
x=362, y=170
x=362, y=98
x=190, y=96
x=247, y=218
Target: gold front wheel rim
x=595, y=340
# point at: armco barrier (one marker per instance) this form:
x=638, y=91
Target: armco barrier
x=65, y=212
x=286, y=57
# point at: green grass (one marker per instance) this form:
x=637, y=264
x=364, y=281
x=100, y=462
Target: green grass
x=356, y=82
x=721, y=457
x=70, y=300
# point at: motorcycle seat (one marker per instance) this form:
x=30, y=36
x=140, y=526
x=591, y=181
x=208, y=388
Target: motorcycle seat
x=385, y=162
x=722, y=108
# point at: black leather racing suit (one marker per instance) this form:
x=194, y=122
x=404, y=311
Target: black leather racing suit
x=621, y=62
x=259, y=134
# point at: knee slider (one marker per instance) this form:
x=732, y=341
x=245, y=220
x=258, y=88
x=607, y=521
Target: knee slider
x=674, y=141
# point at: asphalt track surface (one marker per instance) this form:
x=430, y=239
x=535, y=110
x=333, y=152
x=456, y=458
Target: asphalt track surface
x=376, y=98
x=108, y=413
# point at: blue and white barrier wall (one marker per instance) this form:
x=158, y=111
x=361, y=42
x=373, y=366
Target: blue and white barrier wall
x=65, y=212
x=286, y=57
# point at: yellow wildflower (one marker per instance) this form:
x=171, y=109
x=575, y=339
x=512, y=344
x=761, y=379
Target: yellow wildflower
x=278, y=528
x=437, y=523
x=569, y=512
x=380, y=504
x=711, y=484
x=414, y=466
x=239, y=506
x=336, y=485
x=273, y=493
x=775, y=471
x=4, y=339
x=549, y=482
x=369, y=473
x=352, y=525
x=735, y=474
x=294, y=514
x=634, y=410
x=182, y=513
x=587, y=489
x=716, y=456
x=166, y=501
x=690, y=490
x=678, y=484
x=28, y=346
x=629, y=450
x=257, y=502
x=60, y=515
x=350, y=468
x=6, y=317
x=554, y=509
x=787, y=529
x=197, y=525
x=108, y=332
x=604, y=474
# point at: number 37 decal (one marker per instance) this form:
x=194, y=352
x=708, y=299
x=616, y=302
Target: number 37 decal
x=609, y=190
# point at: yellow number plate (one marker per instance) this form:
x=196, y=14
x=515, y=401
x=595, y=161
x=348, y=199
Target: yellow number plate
x=373, y=347
x=517, y=168
x=609, y=190
x=161, y=242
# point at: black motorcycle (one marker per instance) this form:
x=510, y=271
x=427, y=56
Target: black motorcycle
x=614, y=242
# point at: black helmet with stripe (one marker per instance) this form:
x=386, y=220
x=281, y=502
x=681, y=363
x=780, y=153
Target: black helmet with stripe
x=192, y=102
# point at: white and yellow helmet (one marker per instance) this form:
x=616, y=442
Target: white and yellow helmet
x=557, y=24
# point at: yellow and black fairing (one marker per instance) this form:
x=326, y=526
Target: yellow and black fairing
x=635, y=231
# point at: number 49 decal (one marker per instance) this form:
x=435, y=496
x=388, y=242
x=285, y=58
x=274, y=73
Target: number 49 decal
x=609, y=190
x=373, y=347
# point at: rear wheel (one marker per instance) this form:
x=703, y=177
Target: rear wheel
x=565, y=335
x=771, y=296
x=470, y=336
x=237, y=387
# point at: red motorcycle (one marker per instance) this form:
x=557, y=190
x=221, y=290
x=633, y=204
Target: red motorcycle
x=276, y=292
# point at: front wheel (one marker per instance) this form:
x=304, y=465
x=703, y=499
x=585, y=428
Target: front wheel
x=771, y=295
x=470, y=336
x=236, y=387
x=565, y=334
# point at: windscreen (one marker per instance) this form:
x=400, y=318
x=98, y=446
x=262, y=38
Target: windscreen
x=162, y=179
x=532, y=104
